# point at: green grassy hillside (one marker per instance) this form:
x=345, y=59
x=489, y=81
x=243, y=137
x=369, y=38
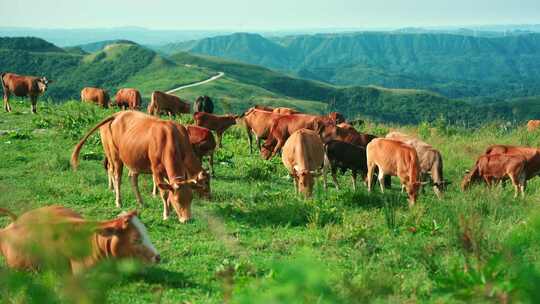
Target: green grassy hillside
x=258, y=242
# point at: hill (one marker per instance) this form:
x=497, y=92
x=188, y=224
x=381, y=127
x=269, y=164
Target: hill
x=100, y=45
x=456, y=66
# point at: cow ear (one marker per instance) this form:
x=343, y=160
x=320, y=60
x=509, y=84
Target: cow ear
x=112, y=227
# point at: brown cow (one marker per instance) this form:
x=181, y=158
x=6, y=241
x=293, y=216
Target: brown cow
x=304, y=157
x=128, y=99
x=216, y=123
x=347, y=133
x=95, y=95
x=285, y=111
x=203, y=143
x=283, y=127
x=23, y=86
x=394, y=158
x=170, y=104
x=257, y=122
x=532, y=125
x=532, y=155
x=57, y=236
x=264, y=108
x=336, y=117
x=494, y=167
x=431, y=162
x=159, y=149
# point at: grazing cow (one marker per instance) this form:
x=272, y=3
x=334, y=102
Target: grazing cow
x=23, y=86
x=532, y=125
x=285, y=111
x=128, y=99
x=95, y=95
x=344, y=156
x=216, y=123
x=532, y=155
x=257, y=122
x=203, y=143
x=336, y=117
x=494, y=167
x=394, y=158
x=264, y=108
x=203, y=104
x=304, y=157
x=283, y=127
x=159, y=149
x=56, y=236
x=431, y=162
x=347, y=133
x=170, y=104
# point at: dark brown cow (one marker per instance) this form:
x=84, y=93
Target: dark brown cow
x=128, y=99
x=492, y=168
x=258, y=123
x=336, y=117
x=95, y=95
x=203, y=104
x=167, y=103
x=57, y=236
x=394, y=158
x=283, y=127
x=345, y=156
x=203, y=143
x=23, y=86
x=159, y=149
x=216, y=123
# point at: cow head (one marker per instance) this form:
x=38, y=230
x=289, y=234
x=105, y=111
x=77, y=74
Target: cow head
x=181, y=195
x=128, y=238
x=412, y=191
x=43, y=84
x=203, y=184
x=469, y=178
x=305, y=180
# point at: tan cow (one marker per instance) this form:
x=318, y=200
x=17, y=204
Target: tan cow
x=23, y=86
x=394, y=158
x=258, y=123
x=285, y=111
x=158, y=149
x=304, y=157
x=128, y=99
x=216, y=123
x=56, y=236
x=167, y=103
x=431, y=162
x=264, y=108
x=532, y=125
x=95, y=95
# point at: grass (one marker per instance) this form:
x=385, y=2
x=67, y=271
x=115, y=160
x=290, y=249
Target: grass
x=257, y=242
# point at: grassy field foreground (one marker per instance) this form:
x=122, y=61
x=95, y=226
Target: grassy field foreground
x=257, y=242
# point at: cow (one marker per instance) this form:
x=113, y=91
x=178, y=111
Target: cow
x=344, y=156
x=258, y=123
x=284, y=110
x=264, y=108
x=283, y=127
x=203, y=144
x=532, y=155
x=304, y=157
x=431, y=162
x=493, y=168
x=128, y=99
x=23, y=86
x=159, y=149
x=394, y=158
x=532, y=125
x=336, y=117
x=347, y=133
x=56, y=236
x=203, y=104
x=97, y=96
x=167, y=103
x=216, y=123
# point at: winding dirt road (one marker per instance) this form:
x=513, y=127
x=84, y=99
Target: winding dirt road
x=215, y=77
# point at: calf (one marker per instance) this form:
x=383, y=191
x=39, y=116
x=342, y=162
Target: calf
x=394, y=158
x=58, y=236
x=95, y=95
x=258, y=123
x=216, y=123
x=23, y=86
x=304, y=157
x=346, y=156
x=203, y=104
x=494, y=167
x=128, y=99
x=203, y=143
x=170, y=104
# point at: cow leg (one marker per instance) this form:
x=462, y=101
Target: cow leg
x=381, y=179
x=154, y=187
x=370, y=176
x=259, y=142
x=295, y=183
x=110, y=174
x=7, y=107
x=334, y=178
x=211, y=162
x=219, y=137
x=33, y=99
x=133, y=178
x=166, y=206
x=354, y=179
x=250, y=140
x=118, y=168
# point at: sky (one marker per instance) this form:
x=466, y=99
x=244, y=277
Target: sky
x=264, y=15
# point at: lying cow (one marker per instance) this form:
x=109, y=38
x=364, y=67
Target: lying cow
x=303, y=156
x=23, y=86
x=128, y=99
x=345, y=156
x=431, y=162
x=57, y=236
x=394, y=158
x=166, y=103
x=203, y=144
x=96, y=96
x=203, y=104
x=492, y=168
x=216, y=123
x=159, y=149
x=258, y=123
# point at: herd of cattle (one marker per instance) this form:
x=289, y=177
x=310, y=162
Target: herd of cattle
x=310, y=146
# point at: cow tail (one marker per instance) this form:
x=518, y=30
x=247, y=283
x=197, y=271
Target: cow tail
x=8, y=213
x=78, y=147
x=2, y=80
